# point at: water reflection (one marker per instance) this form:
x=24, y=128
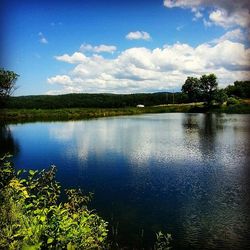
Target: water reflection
x=135, y=139
x=219, y=217
x=187, y=174
x=7, y=143
x=202, y=192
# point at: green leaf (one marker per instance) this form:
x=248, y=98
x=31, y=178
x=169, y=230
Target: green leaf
x=19, y=172
x=32, y=172
x=43, y=218
x=70, y=246
x=31, y=247
x=50, y=240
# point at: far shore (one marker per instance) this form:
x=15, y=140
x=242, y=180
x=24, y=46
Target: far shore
x=65, y=114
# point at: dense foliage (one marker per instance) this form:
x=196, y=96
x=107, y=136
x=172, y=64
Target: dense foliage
x=239, y=89
x=33, y=218
x=94, y=100
x=220, y=96
x=191, y=88
x=208, y=87
x=232, y=101
x=7, y=84
x=204, y=89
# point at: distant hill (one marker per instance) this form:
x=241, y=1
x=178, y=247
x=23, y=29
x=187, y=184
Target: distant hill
x=94, y=100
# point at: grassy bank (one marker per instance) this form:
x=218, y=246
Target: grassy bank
x=26, y=115
x=23, y=115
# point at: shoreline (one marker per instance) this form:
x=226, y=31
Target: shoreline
x=66, y=114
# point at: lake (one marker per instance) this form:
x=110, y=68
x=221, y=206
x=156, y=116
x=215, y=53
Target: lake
x=185, y=174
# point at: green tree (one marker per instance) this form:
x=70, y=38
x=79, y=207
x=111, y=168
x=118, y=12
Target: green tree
x=220, y=96
x=239, y=89
x=7, y=84
x=208, y=86
x=230, y=90
x=191, y=87
x=232, y=101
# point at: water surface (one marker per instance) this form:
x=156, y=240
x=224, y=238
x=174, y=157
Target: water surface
x=186, y=174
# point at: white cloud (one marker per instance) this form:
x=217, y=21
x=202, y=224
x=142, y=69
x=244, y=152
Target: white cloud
x=60, y=79
x=42, y=38
x=223, y=13
x=77, y=57
x=197, y=14
x=138, y=35
x=222, y=18
x=235, y=35
x=206, y=23
x=159, y=69
x=229, y=5
x=98, y=49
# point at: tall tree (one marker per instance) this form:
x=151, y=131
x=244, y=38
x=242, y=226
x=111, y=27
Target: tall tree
x=191, y=87
x=7, y=84
x=208, y=86
x=220, y=96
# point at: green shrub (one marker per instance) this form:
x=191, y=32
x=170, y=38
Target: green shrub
x=163, y=241
x=33, y=218
x=232, y=101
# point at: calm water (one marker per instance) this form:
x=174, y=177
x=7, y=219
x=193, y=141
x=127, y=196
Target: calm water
x=186, y=174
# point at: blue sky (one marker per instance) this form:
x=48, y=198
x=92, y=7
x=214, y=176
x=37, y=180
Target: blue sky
x=122, y=46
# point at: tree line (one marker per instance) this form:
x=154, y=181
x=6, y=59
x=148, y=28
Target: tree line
x=95, y=100
x=7, y=85
x=204, y=89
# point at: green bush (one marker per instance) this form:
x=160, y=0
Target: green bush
x=162, y=241
x=232, y=101
x=33, y=218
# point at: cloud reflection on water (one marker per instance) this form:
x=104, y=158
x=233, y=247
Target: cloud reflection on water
x=208, y=153
x=184, y=173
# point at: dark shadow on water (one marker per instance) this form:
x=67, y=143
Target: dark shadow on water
x=220, y=192
x=7, y=143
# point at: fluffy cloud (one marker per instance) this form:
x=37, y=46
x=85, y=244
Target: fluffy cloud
x=98, y=49
x=227, y=20
x=77, y=57
x=42, y=38
x=181, y=3
x=207, y=23
x=228, y=5
x=159, y=69
x=197, y=14
x=138, y=35
x=60, y=79
x=224, y=13
x=235, y=35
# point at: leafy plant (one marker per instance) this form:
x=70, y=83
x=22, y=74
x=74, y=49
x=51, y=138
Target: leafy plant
x=33, y=218
x=6, y=171
x=232, y=101
x=162, y=241
x=7, y=84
